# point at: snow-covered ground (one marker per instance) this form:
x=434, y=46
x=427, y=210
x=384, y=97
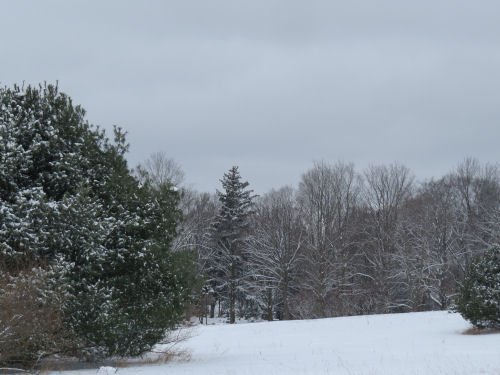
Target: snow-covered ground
x=430, y=343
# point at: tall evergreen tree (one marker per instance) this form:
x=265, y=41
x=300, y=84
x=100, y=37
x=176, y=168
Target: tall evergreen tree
x=67, y=198
x=230, y=231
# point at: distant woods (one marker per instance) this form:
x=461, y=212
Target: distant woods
x=344, y=242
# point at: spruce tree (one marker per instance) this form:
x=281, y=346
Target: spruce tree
x=230, y=230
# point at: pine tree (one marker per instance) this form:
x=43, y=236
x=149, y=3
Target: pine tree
x=479, y=296
x=68, y=200
x=230, y=230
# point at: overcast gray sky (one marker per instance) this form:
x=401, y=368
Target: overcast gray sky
x=270, y=85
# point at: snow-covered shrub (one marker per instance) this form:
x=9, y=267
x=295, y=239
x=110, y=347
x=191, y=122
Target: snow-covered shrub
x=479, y=296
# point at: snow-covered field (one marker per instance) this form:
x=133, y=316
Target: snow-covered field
x=430, y=343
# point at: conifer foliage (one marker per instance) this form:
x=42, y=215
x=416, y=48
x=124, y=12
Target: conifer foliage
x=479, y=295
x=227, y=266
x=69, y=202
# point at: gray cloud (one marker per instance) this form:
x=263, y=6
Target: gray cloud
x=272, y=85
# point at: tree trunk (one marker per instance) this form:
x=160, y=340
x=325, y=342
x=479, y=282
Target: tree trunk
x=232, y=317
x=286, y=309
x=232, y=290
x=212, y=309
x=269, y=312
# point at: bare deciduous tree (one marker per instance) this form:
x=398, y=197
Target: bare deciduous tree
x=387, y=189
x=275, y=249
x=159, y=170
x=327, y=197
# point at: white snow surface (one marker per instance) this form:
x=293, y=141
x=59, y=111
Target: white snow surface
x=414, y=343
x=107, y=370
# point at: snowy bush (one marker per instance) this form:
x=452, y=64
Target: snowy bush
x=479, y=296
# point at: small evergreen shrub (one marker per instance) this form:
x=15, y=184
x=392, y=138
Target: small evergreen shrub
x=479, y=295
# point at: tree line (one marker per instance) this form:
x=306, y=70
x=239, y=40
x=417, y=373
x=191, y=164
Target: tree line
x=343, y=242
